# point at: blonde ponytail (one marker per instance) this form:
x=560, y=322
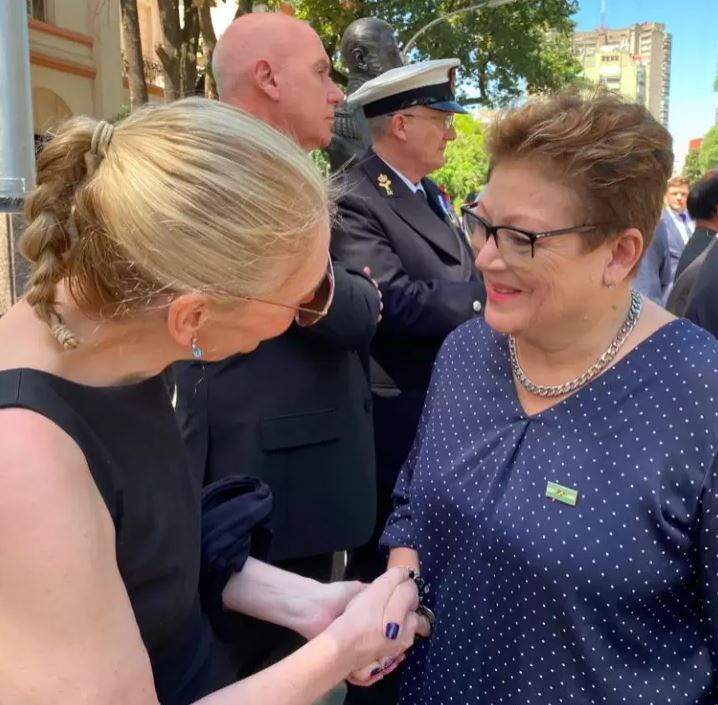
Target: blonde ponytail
x=47, y=241
x=190, y=196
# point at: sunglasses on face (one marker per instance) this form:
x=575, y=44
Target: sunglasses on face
x=311, y=313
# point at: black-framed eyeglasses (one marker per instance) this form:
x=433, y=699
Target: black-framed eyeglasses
x=513, y=243
x=316, y=309
x=447, y=119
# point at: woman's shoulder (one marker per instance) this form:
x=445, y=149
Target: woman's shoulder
x=685, y=356
x=471, y=337
x=43, y=475
x=473, y=347
x=681, y=341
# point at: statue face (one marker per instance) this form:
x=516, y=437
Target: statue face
x=384, y=56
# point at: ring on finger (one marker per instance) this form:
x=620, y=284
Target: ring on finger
x=424, y=611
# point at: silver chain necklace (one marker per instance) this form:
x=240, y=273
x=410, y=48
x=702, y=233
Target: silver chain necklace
x=559, y=390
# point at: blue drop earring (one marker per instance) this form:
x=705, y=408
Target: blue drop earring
x=196, y=350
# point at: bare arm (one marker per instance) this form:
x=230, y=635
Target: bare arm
x=292, y=601
x=67, y=630
x=68, y=635
x=299, y=679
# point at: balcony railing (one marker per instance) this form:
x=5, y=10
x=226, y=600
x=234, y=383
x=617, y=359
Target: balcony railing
x=154, y=74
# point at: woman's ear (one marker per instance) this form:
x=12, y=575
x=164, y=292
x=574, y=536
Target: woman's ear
x=625, y=253
x=185, y=317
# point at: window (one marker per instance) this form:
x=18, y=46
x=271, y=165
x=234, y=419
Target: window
x=36, y=10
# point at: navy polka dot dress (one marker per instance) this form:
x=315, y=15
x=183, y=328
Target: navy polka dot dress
x=538, y=602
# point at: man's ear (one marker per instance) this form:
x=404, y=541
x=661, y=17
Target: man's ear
x=397, y=127
x=265, y=79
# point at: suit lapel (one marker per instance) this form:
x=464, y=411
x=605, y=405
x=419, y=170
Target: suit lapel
x=412, y=209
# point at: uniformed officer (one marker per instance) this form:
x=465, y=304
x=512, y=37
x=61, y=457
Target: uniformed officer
x=393, y=219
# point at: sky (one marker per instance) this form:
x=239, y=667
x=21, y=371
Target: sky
x=694, y=26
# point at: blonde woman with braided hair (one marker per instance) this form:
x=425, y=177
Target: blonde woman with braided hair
x=188, y=231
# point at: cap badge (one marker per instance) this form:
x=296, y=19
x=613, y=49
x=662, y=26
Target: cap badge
x=385, y=182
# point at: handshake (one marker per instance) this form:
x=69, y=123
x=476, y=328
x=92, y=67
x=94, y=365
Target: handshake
x=374, y=625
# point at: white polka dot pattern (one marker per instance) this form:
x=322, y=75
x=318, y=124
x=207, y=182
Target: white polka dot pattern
x=614, y=600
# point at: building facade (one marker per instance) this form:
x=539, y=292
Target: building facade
x=635, y=61
x=75, y=60
x=76, y=68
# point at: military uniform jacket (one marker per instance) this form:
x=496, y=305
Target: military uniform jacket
x=424, y=267
x=422, y=261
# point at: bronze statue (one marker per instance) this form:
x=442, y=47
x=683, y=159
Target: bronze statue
x=368, y=49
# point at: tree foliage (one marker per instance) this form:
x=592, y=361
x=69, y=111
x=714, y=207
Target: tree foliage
x=504, y=51
x=691, y=166
x=467, y=164
x=709, y=150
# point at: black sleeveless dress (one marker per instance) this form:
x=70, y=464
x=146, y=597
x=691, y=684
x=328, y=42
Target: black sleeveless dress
x=130, y=439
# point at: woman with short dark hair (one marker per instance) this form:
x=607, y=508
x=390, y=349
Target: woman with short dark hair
x=560, y=497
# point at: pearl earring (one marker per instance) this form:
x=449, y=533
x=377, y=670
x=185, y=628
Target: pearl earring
x=196, y=350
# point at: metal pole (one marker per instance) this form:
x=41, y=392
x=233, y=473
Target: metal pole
x=470, y=8
x=17, y=146
x=17, y=143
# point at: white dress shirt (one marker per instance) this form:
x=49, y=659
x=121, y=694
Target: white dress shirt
x=685, y=227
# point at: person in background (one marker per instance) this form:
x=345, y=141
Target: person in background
x=702, y=306
x=703, y=209
x=146, y=246
x=702, y=206
x=394, y=219
x=654, y=277
x=296, y=412
x=659, y=266
x=561, y=498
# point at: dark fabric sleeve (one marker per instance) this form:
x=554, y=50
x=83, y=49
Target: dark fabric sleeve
x=235, y=525
x=415, y=308
x=694, y=247
x=353, y=316
x=702, y=306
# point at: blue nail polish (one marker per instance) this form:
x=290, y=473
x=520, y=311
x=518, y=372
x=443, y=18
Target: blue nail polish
x=376, y=672
x=392, y=630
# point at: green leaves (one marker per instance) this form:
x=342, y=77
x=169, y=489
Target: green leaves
x=708, y=158
x=466, y=165
x=691, y=166
x=505, y=51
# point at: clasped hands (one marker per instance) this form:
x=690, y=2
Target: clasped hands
x=375, y=624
